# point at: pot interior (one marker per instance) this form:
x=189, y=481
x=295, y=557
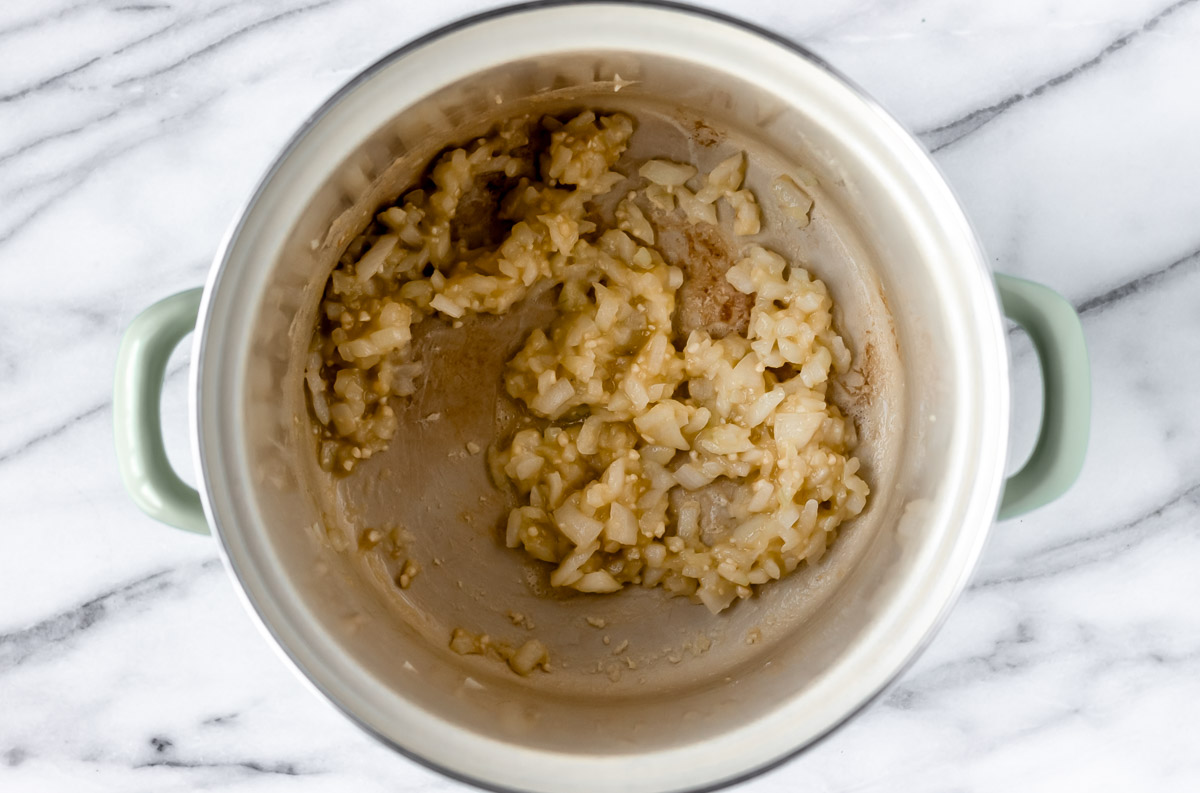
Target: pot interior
x=440, y=496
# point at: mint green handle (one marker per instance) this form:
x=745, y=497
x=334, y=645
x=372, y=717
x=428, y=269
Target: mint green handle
x=1057, y=336
x=1046, y=316
x=137, y=420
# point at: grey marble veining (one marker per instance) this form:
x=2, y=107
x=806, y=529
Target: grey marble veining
x=130, y=132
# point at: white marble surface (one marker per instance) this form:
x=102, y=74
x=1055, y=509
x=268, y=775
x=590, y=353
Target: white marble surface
x=131, y=131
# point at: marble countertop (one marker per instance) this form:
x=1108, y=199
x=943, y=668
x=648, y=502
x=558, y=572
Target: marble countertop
x=130, y=133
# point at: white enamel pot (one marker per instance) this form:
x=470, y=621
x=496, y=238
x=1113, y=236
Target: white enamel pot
x=731, y=711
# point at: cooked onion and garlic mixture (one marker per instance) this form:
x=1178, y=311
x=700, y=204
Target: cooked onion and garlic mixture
x=703, y=465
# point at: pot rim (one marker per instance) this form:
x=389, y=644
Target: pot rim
x=984, y=502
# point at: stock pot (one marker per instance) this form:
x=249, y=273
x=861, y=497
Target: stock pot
x=738, y=710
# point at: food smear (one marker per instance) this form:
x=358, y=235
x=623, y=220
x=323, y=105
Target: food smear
x=707, y=460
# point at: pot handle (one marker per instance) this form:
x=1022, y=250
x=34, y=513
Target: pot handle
x=137, y=420
x=1057, y=336
x=1051, y=322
